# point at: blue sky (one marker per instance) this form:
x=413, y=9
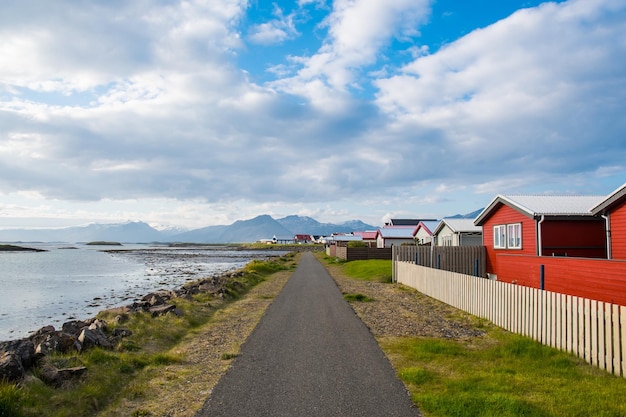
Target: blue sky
x=205, y=112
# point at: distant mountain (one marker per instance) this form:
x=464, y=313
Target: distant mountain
x=134, y=232
x=241, y=231
x=209, y=234
x=307, y=225
x=471, y=215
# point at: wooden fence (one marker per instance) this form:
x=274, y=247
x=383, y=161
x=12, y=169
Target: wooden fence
x=591, y=329
x=362, y=253
x=470, y=260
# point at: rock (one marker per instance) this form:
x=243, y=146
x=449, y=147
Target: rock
x=43, y=330
x=74, y=327
x=90, y=338
x=121, y=318
x=60, y=342
x=162, y=309
x=98, y=325
x=23, y=348
x=119, y=332
x=59, y=377
x=11, y=368
x=153, y=299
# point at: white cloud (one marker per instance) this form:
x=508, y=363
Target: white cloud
x=357, y=31
x=131, y=108
x=275, y=31
x=531, y=92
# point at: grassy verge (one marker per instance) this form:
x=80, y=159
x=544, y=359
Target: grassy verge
x=496, y=374
x=128, y=371
x=373, y=270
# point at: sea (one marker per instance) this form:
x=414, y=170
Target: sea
x=76, y=281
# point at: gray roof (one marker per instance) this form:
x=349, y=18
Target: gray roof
x=543, y=205
x=458, y=225
x=397, y=232
x=431, y=225
x=344, y=238
x=614, y=198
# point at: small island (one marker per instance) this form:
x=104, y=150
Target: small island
x=14, y=248
x=103, y=243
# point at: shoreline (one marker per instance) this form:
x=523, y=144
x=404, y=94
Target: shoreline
x=161, y=271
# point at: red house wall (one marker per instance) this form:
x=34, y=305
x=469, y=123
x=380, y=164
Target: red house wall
x=506, y=215
x=597, y=279
x=618, y=231
x=579, y=238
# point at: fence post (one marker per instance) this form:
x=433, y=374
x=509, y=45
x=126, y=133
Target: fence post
x=542, y=276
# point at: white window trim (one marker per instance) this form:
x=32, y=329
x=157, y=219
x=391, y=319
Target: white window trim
x=499, y=236
x=514, y=240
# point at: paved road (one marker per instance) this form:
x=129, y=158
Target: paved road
x=310, y=355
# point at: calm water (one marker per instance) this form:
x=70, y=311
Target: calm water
x=76, y=281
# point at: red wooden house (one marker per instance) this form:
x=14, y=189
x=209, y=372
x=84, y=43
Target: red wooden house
x=613, y=210
x=541, y=226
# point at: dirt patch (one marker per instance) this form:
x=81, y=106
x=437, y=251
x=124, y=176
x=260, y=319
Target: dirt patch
x=399, y=311
x=181, y=389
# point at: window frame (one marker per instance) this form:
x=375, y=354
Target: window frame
x=514, y=240
x=499, y=236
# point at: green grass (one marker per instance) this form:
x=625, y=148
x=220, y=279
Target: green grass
x=357, y=297
x=371, y=270
x=113, y=372
x=502, y=374
x=498, y=374
x=10, y=397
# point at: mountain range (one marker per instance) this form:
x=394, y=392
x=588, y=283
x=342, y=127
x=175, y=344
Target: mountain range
x=241, y=231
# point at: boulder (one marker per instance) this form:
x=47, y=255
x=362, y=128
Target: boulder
x=74, y=327
x=60, y=342
x=11, y=368
x=90, y=338
x=23, y=348
x=153, y=299
x=161, y=309
x=120, y=332
x=60, y=377
x=44, y=330
x=121, y=318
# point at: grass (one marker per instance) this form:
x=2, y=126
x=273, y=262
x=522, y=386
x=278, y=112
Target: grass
x=357, y=297
x=502, y=374
x=10, y=397
x=373, y=270
x=497, y=374
x=123, y=371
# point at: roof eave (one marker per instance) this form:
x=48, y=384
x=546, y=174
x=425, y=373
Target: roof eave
x=501, y=199
x=613, y=199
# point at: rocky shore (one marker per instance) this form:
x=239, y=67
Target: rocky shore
x=17, y=357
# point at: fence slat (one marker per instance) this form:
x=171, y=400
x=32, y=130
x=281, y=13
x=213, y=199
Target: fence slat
x=594, y=331
x=608, y=334
x=622, y=321
x=601, y=339
x=617, y=352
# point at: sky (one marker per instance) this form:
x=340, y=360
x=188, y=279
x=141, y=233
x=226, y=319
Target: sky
x=204, y=112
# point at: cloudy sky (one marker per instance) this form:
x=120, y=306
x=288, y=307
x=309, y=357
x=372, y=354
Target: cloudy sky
x=202, y=112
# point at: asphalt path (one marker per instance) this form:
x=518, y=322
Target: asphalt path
x=310, y=355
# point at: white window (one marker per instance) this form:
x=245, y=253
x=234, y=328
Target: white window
x=514, y=233
x=499, y=237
